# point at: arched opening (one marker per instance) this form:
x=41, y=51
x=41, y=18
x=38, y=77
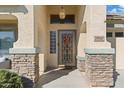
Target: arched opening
x=8, y=35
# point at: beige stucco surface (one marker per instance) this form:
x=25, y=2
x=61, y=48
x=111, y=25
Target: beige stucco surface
x=25, y=28
x=53, y=58
x=117, y=43
x=119, y=53
x=24, y=15
x=86, y=25
x=34, y=26
x=91, y=23
x=81, y=45
x=95, y=28
x=81, y=32
x=31, y=28
x=41, y=35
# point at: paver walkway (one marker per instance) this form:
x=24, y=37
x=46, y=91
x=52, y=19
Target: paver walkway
x=63, y=78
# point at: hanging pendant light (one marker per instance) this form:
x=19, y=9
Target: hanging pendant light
x=62, y=13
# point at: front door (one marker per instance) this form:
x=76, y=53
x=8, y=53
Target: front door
x=66, y=51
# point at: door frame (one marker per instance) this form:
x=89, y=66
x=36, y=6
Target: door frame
x=75, y=43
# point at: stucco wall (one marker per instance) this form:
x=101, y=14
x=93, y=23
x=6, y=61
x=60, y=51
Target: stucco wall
x=119, y=53
x=81, y=44
x=91, y=23
x=81, y=34
x=25, y=27
x=95, y=25
x=34, y=26
x=24, y=14
x=86, y=25
x=117, y=43
x=53, y=58
x=41, y=35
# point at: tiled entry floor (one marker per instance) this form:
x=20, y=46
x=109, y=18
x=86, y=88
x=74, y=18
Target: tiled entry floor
x=63, y=78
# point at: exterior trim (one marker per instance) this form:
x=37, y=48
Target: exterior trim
x=80, y=58
x=24, y=50
x=99, y=51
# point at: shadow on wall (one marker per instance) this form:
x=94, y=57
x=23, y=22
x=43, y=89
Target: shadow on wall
x=82, y=24
x=115, y=77
x=83, y=30
x=112, y=41
x=14, y=9
x=81, y=39
x=51, y=76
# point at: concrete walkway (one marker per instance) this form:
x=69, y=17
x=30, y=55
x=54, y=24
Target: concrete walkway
x=63, y=78
x=119, y=79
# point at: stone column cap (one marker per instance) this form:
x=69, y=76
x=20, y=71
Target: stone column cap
x=24, y=50
x=80, y=58
x=99, y=50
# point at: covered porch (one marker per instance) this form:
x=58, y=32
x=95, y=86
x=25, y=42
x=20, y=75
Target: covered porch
x=33, y=51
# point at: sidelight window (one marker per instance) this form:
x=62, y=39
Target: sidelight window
x=52, y=41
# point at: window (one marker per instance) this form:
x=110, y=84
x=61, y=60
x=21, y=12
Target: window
x=54, y=19
x=7, y=38
x=110, y=25
x=52, y=42
x=69, y=19
x=119, y=25
x=109, y=34
x=118, y=34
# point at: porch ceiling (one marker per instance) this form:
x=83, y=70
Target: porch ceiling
x=8, y=19
x=65, y=6
x=68, y=8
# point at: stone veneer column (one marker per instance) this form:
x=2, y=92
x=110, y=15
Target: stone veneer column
x=99, y=67
x=25, y=62
x=81, y=63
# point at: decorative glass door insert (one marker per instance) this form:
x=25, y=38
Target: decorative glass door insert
x=67, y=48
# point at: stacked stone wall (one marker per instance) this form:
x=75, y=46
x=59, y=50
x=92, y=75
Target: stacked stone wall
x=99, y=69
x=26, y=65
x=81, y=65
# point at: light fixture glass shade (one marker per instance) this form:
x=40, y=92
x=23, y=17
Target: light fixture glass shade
x=62, y=13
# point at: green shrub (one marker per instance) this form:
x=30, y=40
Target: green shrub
x=10, y=80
